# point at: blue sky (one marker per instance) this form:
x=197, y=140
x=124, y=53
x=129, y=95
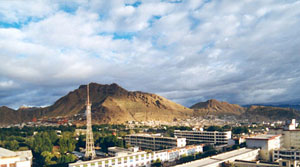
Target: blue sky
x=242, y=52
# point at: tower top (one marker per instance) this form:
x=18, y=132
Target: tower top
x=88, y=94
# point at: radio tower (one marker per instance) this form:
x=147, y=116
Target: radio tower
x=89, y=148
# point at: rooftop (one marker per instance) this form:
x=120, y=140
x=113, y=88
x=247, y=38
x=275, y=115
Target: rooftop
x=217, y=158
x=6, y=153
x=263, y=137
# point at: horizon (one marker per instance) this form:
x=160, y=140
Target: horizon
x=243, y=52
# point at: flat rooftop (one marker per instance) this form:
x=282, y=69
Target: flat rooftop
x=6, y=153
x=217, y=158
x=263, y=137
x=152, y=135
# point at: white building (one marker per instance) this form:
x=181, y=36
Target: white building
x=141, y=158
x=266, y=143
x=290, y=135
x=278, y=163
x=286, y=154
x=196, y=137
x=154, y=142
x=231, y=156
x=15, y=159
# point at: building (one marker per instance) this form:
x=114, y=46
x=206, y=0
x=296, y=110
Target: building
x=266, y=143
x=292, y=154
x=119, y=151
x=290, y=135
x=231, y=156
x=154, y=142
x=196, y=137
x=15, y=159
x=278, y=163
x=139, y=158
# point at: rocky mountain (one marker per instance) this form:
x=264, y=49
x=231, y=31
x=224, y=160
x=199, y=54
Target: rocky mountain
x=110, y=104
x=261, y=113
x=215, y=107
x=10, y=116
x=252, y=112
x=114, y=104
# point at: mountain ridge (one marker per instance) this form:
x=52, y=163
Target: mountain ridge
x=113, y=104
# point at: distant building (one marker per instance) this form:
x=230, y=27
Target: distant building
x=79, y=132
x=138, y=158
x=290, y=135
x=266, y=143
x=154, y=142
x=197, y=137
x=15, y=159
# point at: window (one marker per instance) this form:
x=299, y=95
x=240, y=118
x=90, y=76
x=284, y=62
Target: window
x=283, y=163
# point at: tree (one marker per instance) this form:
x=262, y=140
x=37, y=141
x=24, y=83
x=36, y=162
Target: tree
x=42, y=143
x=157, y=163
x=12, y=145
x=47, y=157
x=66, y=143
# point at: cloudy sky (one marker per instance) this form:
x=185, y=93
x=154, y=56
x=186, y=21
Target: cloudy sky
x=242, y=52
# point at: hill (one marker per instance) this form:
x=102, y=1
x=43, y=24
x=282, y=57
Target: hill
x=263, y=113
x=110, y=104
x=215, y=107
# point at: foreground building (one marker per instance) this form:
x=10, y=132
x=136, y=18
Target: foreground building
x=266, y=143
x=154, y=142
x=292, y=154
x=278, y=163
x=15, y=159
x=290, y=135
x=128, y=158
x=231, y=156
x=197, y=137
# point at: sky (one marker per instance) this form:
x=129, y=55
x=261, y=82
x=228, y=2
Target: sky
x=242, y=52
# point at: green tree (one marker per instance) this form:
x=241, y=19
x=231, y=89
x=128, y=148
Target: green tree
x=47, y=157
x=66, y=143
x=12, y=145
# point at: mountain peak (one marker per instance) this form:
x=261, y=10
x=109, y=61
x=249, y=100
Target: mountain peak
x=214, y=106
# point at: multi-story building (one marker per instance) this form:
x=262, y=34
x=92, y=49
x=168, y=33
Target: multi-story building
x=154, y=142
x=227, y=157
x=290, y=135
x=140, y=158
x=278, y=163
x=292, y=154
x=15, y=159
x=266, y=143
x=196, y=137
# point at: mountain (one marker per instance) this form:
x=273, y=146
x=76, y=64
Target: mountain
x=11, y=116
x=263, y=113
x=215, y=107
x=110, y=104
x=251, y=112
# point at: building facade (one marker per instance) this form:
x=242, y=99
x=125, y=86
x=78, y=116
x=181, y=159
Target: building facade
x=278, y=163
x=196, y=137
x=140, y=158
x=266, y=143
x=230, y=156
x=286, y=154
x=154, y=142
x=290, y=135
x=15, y=159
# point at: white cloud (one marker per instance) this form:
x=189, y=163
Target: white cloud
x=241, y=52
